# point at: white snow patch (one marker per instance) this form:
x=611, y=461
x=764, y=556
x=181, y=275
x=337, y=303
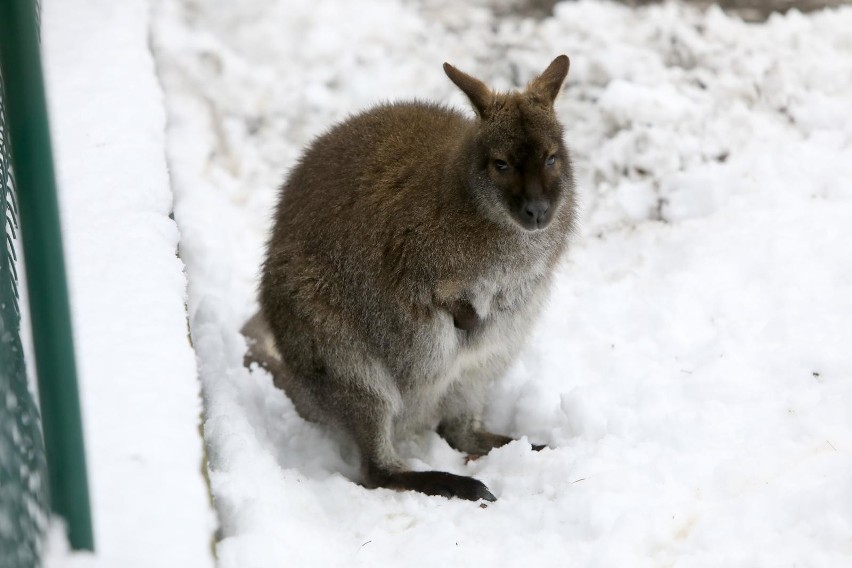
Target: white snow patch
x=137, y=372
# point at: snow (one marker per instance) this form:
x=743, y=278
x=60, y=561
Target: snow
x=691, y=374
x=136, y=368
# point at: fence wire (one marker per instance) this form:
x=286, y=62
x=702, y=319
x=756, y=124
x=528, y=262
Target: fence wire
x=23, y=496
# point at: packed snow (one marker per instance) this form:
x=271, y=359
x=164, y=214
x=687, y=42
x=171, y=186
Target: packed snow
x=136, y=367
x=691, y=374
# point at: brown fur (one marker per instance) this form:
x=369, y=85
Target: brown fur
x=412, y=250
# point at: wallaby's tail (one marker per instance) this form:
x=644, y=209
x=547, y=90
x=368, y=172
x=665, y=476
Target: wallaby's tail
x=261, y=348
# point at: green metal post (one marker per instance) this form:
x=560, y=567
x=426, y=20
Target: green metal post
x=32, y=164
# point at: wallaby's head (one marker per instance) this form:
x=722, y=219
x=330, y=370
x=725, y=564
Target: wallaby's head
x=518, y=162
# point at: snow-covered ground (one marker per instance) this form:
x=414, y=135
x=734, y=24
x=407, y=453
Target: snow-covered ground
x=692, y=373
x=136, y=367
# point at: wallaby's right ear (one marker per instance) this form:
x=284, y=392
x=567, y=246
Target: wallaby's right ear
x=478, y=92
x=547, y=85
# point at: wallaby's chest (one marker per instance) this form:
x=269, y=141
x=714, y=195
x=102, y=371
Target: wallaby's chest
x=489, y=316
x=448, y=356
x=497, y=291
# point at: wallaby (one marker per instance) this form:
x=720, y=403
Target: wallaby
x=412, y=250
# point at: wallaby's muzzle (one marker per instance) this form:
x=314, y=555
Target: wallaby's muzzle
x=535, y=213
x=532, y=213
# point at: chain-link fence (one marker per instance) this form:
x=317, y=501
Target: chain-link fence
x=42, y=459
x=23, y=500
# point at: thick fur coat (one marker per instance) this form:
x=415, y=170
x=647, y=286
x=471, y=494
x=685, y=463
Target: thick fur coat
x=412, y=250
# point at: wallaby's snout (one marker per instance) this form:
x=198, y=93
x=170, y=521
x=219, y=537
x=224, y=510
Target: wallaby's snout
x=535, y=207
x=532, y=191
x=534, y=213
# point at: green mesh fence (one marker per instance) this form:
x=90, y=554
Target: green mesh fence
x=23, y=499
x=42, y=457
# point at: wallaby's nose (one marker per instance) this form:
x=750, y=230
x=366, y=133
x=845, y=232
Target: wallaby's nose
x=535, y=210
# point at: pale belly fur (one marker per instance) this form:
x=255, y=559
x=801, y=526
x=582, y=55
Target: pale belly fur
x=468, y=364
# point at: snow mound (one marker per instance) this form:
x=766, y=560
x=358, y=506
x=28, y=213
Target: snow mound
x=136, y=367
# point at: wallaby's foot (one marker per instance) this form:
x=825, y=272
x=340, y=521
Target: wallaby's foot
x=474, y=457
x=475, y=442
x=461, y=437
x=435, y=483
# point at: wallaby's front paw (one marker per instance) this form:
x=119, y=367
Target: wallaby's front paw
x=464, y=315
x=473, y=457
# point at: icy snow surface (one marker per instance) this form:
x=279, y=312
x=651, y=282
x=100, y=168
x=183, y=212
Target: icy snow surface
x=692, y=373
x=137, y=372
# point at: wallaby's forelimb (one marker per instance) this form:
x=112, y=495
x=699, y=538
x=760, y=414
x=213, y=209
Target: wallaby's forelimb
x=462, y=436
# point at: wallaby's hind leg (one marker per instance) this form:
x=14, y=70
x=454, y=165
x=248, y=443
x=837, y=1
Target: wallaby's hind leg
x=382, y=467
x=364, y=413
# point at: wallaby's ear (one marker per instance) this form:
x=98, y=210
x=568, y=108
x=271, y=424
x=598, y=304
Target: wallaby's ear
x=478, y=92
x=546, y=86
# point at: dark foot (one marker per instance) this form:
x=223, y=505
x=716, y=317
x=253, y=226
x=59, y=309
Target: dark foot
x=476, y=443
x=438, y=483
x=470, y=441
x=474, y=457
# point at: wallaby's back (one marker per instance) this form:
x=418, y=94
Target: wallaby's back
x=388, y=170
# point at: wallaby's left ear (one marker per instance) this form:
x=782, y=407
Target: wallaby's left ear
x=478, y=92
x=547, y=85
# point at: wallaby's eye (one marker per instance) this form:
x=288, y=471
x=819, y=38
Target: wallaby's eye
x=501, y=165
x=550, y=160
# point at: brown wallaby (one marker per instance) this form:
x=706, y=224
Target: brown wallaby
x=412, y=250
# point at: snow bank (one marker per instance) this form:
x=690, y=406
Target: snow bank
x=692, y=372
x=136, y=367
